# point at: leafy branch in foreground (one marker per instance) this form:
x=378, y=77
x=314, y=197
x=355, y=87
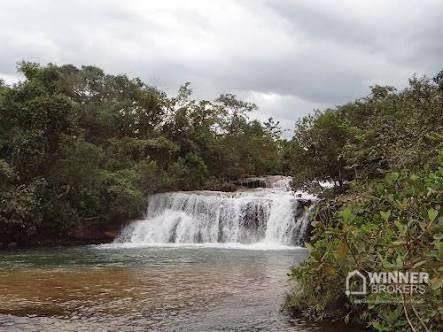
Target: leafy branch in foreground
x=392, y=224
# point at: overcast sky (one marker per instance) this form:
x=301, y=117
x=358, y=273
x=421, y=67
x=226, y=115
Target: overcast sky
x=289, y=57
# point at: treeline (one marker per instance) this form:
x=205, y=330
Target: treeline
x=384, y=212
x=81, y=148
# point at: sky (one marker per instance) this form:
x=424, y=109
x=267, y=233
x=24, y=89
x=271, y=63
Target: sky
x=288, y=57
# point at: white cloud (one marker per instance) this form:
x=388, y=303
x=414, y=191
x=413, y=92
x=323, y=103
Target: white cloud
x=284, y=108
x=287, y=56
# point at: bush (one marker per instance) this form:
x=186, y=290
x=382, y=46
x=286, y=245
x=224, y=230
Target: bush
x=384, y=225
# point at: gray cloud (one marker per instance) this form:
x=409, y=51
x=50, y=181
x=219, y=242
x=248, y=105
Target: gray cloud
x=287, y=56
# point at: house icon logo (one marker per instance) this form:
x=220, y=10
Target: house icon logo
x=359, y=277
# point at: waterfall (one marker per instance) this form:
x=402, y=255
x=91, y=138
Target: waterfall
x=271, y=215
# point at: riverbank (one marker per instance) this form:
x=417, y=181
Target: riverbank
x=83, y=235
x=390, y=225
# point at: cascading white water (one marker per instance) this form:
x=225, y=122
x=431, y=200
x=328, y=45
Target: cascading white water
x=264, y=215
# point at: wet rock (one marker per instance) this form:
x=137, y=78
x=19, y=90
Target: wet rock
x=255, y=182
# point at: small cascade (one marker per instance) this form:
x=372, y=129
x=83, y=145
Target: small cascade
x=271, y=215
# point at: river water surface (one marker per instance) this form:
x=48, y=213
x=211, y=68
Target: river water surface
x=178, y=288
x=198, y=261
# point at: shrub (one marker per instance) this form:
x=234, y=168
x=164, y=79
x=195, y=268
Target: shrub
x=385, y=225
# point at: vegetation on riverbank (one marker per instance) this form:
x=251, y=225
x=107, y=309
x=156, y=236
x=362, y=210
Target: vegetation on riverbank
x=385, y=212
x=80, y=149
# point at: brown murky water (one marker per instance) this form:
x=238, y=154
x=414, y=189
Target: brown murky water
x=137, y=289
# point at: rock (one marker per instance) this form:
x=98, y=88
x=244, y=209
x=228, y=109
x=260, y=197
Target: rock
x=255, y=182
x=304, y=202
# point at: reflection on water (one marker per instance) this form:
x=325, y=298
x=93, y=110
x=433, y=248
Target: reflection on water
x=92, y=288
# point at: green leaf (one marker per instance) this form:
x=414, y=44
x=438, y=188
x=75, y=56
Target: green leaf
x=400, y=226
x=432, y=214
x=378, y=326
x=385, y=215
x=437, y=282
x=399, y=261
x=341, y=252
x=347, y=215
x=392, y=177
x=309, y=247
x=414, y=177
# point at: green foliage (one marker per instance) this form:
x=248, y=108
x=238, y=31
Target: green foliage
x=315, y=152
x=80, y=148
x=20, y=216
x=189, y=172
x=381, y=152
x=390, y=224
x=363, y=140
x=6, y=173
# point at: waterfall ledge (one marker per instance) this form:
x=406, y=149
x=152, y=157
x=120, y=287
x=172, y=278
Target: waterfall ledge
x=274, y=215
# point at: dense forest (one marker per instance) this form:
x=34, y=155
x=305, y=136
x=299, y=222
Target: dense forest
x=81, y=149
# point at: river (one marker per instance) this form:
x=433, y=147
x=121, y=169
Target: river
x=198, y=261
x=178, y=288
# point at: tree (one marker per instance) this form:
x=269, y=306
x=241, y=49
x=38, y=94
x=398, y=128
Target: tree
x=318, y=145
x=81, y=148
